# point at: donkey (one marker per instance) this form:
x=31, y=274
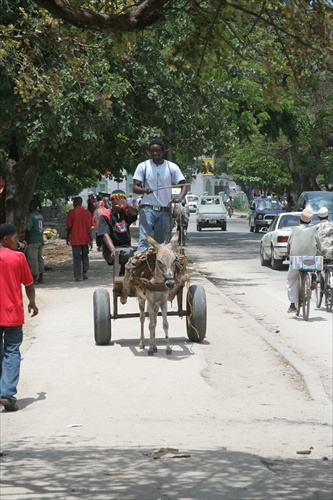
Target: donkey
x=155, y=291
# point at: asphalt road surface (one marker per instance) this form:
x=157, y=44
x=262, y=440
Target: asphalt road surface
x=245, y=414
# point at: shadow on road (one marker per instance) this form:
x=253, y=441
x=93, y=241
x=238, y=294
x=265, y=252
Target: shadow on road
x=54, y=471
x=178, y=344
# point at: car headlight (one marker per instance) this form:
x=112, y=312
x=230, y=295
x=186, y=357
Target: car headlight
x=260, y=216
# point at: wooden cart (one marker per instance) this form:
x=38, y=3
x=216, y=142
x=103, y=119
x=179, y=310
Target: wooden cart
x=191, y=303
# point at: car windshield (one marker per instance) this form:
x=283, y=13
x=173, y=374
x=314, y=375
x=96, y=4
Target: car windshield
x=289, y=220
x=268, y=205
x=210, y=201
x=316, y=203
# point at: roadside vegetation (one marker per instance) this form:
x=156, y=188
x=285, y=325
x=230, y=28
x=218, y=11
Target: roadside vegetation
x=80, y=94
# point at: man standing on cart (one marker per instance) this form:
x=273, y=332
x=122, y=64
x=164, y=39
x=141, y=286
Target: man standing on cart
x=113, y=227
x=153, y=179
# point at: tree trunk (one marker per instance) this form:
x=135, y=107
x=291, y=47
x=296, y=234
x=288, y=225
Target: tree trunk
x=20, y=185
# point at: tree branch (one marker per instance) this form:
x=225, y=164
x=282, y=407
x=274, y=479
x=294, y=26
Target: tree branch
x=146, y=14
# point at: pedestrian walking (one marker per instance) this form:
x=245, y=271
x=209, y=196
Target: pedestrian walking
x=35, y=241
x=91, y=203
x=79, y=235
x=153, y=179
x=100, y=208
x=14, y=272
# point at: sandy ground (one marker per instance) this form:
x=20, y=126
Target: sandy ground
x=222, y=419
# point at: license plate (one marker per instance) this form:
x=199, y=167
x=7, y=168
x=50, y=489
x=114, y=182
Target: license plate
x=212, y=221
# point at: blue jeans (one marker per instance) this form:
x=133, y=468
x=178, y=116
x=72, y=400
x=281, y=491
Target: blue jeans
x=11, y=339
x=155, y=224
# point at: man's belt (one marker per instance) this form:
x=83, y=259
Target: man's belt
x=157, y=208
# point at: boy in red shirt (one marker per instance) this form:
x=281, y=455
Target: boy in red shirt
x=14, y=272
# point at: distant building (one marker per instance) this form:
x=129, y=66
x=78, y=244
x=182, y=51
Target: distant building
x=211, y=184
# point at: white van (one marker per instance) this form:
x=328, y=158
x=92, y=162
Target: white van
x=192, y=201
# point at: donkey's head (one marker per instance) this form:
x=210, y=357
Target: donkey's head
x=165, y=267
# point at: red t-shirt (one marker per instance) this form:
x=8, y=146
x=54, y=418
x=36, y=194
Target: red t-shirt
x=14, y=272
x=80, y=220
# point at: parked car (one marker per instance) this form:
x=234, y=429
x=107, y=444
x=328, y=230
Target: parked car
x=262, y=212
x=315, y=200
x=273, y=245
x=211, y=212
x=192, y=201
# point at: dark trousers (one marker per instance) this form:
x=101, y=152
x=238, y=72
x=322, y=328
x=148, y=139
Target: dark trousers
x=80, y=259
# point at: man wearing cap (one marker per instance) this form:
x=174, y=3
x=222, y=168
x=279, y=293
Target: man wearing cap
x=153, y=180
x=325, y=233
x=113, y=227
x=303, y=240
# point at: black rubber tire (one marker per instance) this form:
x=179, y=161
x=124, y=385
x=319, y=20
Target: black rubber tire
x=224, y=226
x=102, y=316
x=276, y=264
x=256, y=228
x=306, y=294
x=263, y=260
x=329, y=292
x=198, y=227
x=319, y=294
x=196, y=309
x=251, y=227
x=329, y=304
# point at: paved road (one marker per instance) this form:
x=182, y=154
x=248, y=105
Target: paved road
x=231, y=261
x=222, y=419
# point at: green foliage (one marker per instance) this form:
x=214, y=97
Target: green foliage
x=240, y=205
x=218, y=81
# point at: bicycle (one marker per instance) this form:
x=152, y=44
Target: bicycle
x=230, y=211
x=304, y=294
x=325, y=286
x=306, y=265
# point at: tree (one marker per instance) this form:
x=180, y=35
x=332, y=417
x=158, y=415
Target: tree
x=292, y=149
x=77, y=102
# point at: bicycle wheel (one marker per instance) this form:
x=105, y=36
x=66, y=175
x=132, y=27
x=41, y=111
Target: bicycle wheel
x=329, y=290
x=319, y=291
x=306, y=294
x=300, y=293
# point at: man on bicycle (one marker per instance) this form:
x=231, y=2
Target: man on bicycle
x=303, y=240
x=325, y=233
x=230, y=204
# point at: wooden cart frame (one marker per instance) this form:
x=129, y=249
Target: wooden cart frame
x=194, y=308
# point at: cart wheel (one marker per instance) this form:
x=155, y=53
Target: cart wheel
x=196, y=317
x=102, y=316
